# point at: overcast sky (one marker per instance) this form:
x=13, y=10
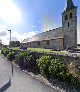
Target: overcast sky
x=28, y=17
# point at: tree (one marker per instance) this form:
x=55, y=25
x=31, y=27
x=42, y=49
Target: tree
x=14, y=43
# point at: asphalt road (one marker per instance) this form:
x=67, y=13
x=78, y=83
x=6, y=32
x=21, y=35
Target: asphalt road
x=20, y=81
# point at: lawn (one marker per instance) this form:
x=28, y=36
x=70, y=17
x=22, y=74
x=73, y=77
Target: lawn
x=15, y=48
x=43, y=50
x=39, y=50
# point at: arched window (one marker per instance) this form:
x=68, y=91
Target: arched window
x=66, y=17
x=71, y=15
x=68, y=24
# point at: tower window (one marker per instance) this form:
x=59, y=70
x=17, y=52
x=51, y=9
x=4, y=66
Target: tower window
x=66, y=17
x=71, y=15
x=68, y=24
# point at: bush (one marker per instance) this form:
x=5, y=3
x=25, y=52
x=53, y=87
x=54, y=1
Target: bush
x=43, y=64
x=11, y=56
x=57, y=69
x=5, y=51
x=20, y=59
x=29, y=61
x=16, y=51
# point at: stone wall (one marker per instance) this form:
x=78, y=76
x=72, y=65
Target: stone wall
x=56, y=44
x=63, y=58
x=69, y=27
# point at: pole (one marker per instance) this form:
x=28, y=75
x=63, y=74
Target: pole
x=10, y=38
x=11, y=50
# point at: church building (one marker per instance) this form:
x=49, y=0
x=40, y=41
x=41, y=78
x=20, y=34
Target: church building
x=61, y=38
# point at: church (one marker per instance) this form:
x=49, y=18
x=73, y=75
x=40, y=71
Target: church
x=61, y=38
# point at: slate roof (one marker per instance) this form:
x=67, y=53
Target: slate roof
x=52, y=34
x=70, y=5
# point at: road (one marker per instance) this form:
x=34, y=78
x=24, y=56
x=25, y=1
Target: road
x=20, y=81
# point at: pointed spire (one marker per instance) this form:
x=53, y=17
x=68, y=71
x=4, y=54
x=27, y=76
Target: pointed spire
x=70, y=5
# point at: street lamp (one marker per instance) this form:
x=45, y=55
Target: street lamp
x=11, y=50
x=10, y=37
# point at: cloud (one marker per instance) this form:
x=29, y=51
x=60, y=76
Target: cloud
x=13, y=39
x=15, y=36
x=3, y=33
x=30, y=34
x=33, y=26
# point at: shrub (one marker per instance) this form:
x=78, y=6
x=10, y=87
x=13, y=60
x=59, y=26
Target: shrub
x=43, y=64
x=16, y=51
x=57, y=69
x=11, y=56
x=25, y=55
x=19, y=57
x=30, y=62
x=5, y=51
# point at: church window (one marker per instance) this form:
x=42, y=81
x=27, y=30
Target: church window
x=71, y=15
x=47, y=42
x=68, y=24
x=66, y=17
x=38, y=43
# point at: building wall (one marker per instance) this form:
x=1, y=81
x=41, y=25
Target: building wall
x=56, y=44
x=52, y=39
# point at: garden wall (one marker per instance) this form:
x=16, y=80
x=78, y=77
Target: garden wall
x=64, y=58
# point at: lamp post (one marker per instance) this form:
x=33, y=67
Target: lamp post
x=11, y=50
x=10, y=38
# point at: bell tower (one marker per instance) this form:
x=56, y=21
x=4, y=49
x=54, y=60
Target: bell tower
x=69, y=25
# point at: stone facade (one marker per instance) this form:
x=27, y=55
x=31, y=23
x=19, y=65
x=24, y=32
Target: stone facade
x=61, y=38
x=69, y=27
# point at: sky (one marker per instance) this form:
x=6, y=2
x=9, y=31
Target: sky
x=26, y=18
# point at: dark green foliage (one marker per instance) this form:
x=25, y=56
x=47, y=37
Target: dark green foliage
x=43, y=64
x=20, y=59
x=16, y=51
x=6, y=52
x=25, y=60
x=14, y=43
x=11, y=56
x=29, y=61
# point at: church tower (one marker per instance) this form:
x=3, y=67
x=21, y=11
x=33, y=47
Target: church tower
x=69, y=25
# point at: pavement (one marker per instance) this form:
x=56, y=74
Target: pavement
x=20, y=81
